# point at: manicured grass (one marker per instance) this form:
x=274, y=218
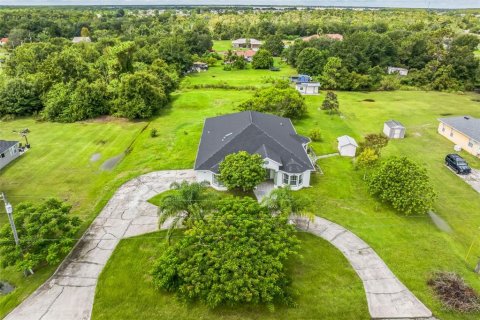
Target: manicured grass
x=411, y=246
x=59, y=165
x=328, y=287
x=222, y=45
x=241, y=78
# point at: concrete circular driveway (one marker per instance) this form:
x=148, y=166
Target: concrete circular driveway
x=69, y=293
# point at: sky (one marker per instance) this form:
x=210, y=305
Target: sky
x=447, y=4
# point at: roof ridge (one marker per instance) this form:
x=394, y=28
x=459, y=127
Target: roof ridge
x=280, y=143
x=221, y=147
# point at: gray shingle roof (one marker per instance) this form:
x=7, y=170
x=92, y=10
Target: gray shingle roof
x=5, y=145
x=268, y=135
x=394, y=124
x=467, y=125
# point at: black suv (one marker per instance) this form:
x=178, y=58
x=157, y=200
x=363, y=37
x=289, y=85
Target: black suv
x=457, y=163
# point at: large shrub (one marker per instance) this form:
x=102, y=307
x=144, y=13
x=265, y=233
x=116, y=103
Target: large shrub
x=46, y=232
x=18, y=97
x=242, y=170
x=284, y=102
x=233, y=257
x=263, y=59
x=404, y=185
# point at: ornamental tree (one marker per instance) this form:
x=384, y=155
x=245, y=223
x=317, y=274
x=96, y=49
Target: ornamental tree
x=242, y=170
x=263, y=59
x=331, y=103
x=46, y=231
x=235, y=256
x=367, y=159
x=374, y=141
x=404, y=185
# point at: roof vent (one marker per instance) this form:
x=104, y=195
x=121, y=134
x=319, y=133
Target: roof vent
x=466, y=118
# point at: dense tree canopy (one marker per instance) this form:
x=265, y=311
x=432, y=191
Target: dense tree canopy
x=242, y=170
x=46, y=232
x=404, y=185
x=280, y=100
x=262, y=60
x=235, y=256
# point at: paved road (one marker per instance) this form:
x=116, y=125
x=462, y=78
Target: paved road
x=387, y=297
x=69, y=293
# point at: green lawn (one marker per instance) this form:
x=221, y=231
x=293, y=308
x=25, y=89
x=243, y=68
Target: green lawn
x=222, y=45
x=326, y=284
x=59, y=165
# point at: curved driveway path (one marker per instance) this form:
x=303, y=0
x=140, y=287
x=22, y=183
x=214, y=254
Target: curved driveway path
x=69, y=293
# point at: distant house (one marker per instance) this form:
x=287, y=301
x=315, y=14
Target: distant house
x=331, y=36
x=347, y=146
x=394, y=129
x=81, y=39
x=300, y=78
x=199, y=67
x=464, y=131
x=334, y=36
x=3, y=41
x=400, y=71
x=8, y=152
x=247, y=54
x=307, y=87
x=253, y=44
x=285, y=152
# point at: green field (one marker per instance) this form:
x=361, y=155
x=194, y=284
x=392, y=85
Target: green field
x=59, y=165
x=125, y=290
x=222, y=45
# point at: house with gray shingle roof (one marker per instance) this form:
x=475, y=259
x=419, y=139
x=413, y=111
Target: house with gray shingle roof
x=464, y=131
x=8, y=152
x=285, y=152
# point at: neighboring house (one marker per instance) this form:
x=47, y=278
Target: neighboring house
x=3, y=41
x=300, y=78
x=253, y=44
x=464, y=131
x=307, y=87
x=347, y=146
x=285, y=152
x=400, y=71
x=8, y=152
x=81, y=39
x=334, y=36
x=394, y=129
x=199, y=67
x=247, y=54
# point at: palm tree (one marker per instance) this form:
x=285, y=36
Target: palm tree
x=282, y=201
x=188, y=202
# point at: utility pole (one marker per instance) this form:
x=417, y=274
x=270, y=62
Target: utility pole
x=9, y=209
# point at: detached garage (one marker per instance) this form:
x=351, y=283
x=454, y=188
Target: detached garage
x=394, y=129
x=347, y=146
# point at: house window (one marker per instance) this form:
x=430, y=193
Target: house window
x=300, y=179
x=285, y=178
x=470, y=144
x=2, y=155
x=293, y=180
x=451, y=133
x=443, y=128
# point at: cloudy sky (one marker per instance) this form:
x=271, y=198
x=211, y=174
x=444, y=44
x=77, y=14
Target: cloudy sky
x=364, y=3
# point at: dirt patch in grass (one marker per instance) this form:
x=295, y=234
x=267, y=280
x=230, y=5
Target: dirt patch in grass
x=446, y=114
x=6, y=287
x=454, y=293
x=368, y=100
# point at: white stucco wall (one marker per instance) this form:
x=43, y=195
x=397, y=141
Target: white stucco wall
x=347, y=151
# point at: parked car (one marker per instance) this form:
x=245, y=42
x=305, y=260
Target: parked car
x=457, y=163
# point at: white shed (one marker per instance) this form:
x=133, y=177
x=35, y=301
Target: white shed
x=347, y=146
x=308, y=87
x=400, y=71
x=394, y=129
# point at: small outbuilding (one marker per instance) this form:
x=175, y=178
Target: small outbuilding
x=394, y=129
x=9, y=151
x=300, y=78
x=199, y=67
x=399, y=71
x=310, y=88
x=81, y=39
x=347, y=146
